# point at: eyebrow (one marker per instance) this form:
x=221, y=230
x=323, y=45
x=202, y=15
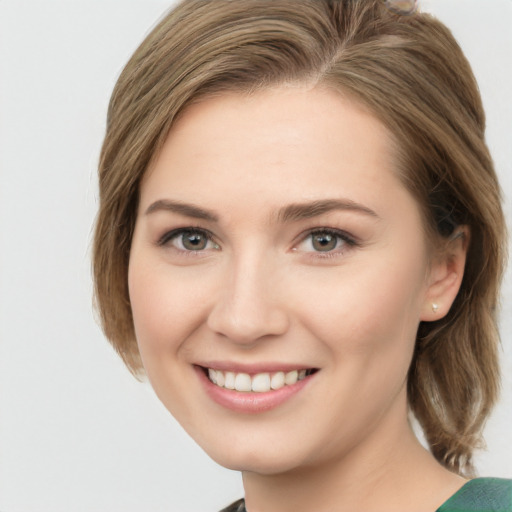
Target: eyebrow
x=189, y=210
x=300, y=211
x=290, y=213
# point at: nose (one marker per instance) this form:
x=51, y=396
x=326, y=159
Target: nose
x=249, y=305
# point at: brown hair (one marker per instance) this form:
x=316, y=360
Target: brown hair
x=410, y=72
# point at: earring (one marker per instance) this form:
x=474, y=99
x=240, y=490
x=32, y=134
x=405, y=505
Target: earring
x=435, y=307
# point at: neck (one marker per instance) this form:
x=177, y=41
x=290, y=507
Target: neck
x=396, y=474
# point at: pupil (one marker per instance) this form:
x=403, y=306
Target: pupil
x=324, y=242
x=194, y=241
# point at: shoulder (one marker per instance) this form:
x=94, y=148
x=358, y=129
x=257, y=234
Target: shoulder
x=481, y=495
x=238, y=506
x=477, y=495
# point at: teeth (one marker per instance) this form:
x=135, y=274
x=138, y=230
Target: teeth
x=259, y=383
x=277, y=380
x=221, y=380
x=291, y=377
x=242, y=382
x=230, y=380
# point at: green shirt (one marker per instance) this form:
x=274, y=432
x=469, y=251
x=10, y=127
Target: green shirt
x=481, y=495
x=478, y=495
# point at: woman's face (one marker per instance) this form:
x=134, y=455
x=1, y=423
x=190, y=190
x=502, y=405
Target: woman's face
x=274, y=242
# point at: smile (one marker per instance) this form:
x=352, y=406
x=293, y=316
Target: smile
x=252, y=390
x=258, y=383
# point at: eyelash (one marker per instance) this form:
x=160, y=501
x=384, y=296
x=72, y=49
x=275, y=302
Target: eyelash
x=347, y=241
x=175, y=233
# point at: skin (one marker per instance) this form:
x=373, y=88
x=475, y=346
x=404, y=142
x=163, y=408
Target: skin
x=261, y=292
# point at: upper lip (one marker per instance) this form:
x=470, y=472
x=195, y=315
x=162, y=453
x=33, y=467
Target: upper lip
x=254, y=368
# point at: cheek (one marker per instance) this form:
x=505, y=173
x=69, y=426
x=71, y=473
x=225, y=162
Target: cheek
x=162, y=306
x=367, y=308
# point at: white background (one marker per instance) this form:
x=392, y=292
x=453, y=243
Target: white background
x=77, y=432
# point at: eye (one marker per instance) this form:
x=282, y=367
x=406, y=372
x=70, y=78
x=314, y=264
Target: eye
x=189, y=239
x=325, y=241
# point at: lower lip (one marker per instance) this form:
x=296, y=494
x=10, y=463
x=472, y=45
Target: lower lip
x=250, y=402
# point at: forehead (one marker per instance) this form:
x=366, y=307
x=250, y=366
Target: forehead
x=287, y=144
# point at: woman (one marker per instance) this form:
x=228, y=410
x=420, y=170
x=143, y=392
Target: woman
x=300, y=242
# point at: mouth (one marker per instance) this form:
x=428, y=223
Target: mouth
x=262, y=382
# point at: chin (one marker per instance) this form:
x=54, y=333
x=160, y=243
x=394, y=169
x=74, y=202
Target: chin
x=255, y=459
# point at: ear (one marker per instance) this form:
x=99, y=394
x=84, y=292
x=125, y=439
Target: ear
x=445, y=276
